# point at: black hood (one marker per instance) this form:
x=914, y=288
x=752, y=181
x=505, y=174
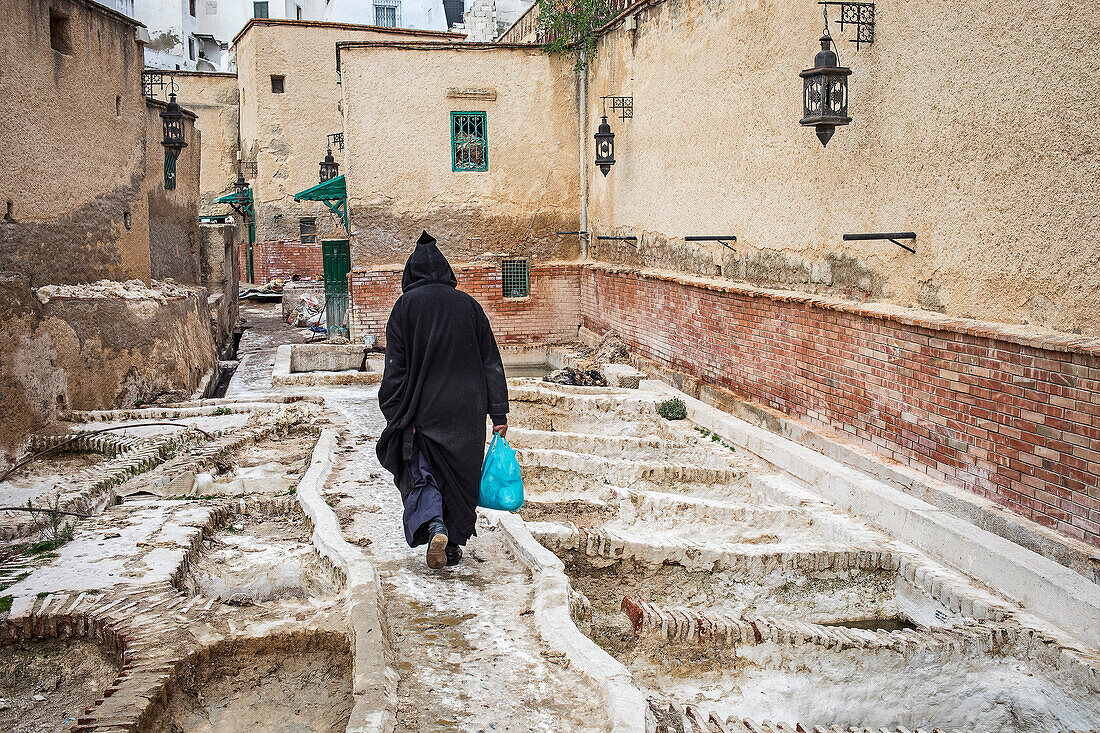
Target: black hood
x=427, y=266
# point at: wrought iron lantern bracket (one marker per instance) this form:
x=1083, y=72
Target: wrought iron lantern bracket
x=859, y=14
x=624, y=105
x=336, y=140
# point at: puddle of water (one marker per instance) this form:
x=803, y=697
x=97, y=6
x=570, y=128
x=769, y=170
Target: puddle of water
x=898, y=623
x=299, y=684
x=515, y=371
x=68, y=676
x=258, y=558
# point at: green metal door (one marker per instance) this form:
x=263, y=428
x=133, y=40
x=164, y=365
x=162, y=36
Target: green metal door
x=336, y=256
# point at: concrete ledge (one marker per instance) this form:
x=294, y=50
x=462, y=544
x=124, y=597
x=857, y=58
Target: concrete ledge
x=1059, y=596
x=323, y=357
x=282, y=376
x=374, y=681
x=626, y=705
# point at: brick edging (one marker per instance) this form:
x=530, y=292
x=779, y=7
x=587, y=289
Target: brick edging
x=1036, y=338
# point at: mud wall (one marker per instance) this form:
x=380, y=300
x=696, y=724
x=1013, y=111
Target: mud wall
x=399, y=97
x=173, y=213
x=286, y=133
x=550, y=313
x=970, y=127
x=72, y=165
x=93, y=353
x=215, y=100
x=1011, y=413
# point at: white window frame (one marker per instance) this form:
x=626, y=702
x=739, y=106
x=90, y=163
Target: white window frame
x=385, y=5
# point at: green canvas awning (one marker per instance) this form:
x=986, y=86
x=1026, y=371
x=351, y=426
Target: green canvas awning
x=241, y=204
x=333, y=194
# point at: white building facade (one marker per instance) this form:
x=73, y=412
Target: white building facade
x=196, y=35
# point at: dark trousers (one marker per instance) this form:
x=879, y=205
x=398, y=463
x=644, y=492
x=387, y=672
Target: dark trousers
x=425, y=503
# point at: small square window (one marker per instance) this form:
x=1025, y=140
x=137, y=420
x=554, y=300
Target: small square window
x=387, y=13
x=60, y=40
x=278, y=84
x=308, y=231
x=515, y=278
x=469, y=142
x=259, y=9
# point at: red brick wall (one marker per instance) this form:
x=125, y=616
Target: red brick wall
x=272, y=260
x=552, y=312
x=1008, y=414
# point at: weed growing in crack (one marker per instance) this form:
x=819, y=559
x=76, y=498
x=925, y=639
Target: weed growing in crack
x=673, y=409
x=5, y=604
x=222, y=411
x=714, y=437
x=49, y=523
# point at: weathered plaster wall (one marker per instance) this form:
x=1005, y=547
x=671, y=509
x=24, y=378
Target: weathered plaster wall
x=398, y=99
x=215, y=100
x=73, y=159
x=973, y=126
x=93, y=353
x=173, y=213
x=287, y=133
x=218, y=247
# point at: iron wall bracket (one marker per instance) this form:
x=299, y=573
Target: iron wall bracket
x=890, y=236
x=722, y=239
x=859, y=14
x=624, y=105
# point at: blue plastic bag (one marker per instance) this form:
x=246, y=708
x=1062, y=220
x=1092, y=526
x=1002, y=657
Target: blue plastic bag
x=501, y=483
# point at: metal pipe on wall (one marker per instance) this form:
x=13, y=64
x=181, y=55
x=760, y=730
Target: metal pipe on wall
x=582, y=132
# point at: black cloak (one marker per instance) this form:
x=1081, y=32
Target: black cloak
x=443, y=376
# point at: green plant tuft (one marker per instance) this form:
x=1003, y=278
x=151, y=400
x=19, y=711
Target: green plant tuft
x=673, y=409
x=569, y=26
x=5, y=604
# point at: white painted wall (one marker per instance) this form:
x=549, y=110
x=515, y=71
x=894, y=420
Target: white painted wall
x=420, y=14
x=170, y=24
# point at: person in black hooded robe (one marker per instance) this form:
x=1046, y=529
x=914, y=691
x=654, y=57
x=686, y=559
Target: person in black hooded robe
x=443, y=375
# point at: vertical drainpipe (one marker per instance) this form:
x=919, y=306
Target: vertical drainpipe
x=582, y=131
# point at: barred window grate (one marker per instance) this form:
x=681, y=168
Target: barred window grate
x=469, y=142
x=515, y=278
x=387, y=13
x=307, y=230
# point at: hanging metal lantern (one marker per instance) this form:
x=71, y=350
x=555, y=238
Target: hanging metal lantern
x=605, y=147
x=329, y=167
x=241, y=185
x=825, y=93
x=174, y=139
